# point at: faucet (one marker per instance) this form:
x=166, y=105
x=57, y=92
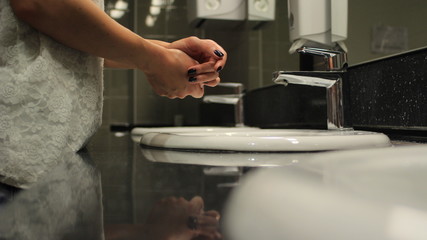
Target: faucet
x=335, y=65
x=235, y=99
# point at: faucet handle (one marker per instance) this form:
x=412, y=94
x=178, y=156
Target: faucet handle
x=334, y=60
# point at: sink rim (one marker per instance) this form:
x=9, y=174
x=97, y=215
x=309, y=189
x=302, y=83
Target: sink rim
x=144, y=130
x=240, y=159
x=271, y=141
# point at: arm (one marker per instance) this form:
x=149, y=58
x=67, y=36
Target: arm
x=80, y=24
x=114, y=64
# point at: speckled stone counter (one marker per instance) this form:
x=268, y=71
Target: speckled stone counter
x=109, y=187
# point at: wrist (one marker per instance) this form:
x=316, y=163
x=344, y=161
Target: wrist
x=150, y=57
x=161, y=43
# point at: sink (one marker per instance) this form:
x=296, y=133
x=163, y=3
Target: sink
x=356, y=194
x=137, y=132
x=264, y=140
x=225, y=159
x=143, y=130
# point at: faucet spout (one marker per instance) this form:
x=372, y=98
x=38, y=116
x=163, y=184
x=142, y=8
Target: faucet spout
x=310, y=78
x=334, y=65
x=331, y=80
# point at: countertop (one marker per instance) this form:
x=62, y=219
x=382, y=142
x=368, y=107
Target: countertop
x=108, y=187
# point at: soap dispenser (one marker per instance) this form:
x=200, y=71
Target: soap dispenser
x=222, y=13
x=261, y=10
x=317, y=23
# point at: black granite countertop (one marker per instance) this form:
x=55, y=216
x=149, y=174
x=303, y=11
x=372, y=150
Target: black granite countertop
x=107, y=187
x=110, y=189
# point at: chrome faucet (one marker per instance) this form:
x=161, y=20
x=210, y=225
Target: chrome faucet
x=335, y=63
x=235, y=99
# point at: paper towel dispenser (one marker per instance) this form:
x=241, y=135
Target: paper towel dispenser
x=219, y=11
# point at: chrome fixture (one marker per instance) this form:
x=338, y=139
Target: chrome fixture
x=335, y=63
x=236, y=99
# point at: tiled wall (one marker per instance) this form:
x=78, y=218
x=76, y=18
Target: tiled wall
x=118, y=86
x=253, y=54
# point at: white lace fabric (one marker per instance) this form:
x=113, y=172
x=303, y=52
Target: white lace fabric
x=66, y=203
x=50, y=99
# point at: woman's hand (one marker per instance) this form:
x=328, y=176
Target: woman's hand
x=167, y=73
x=169, y=220
x=211, y=57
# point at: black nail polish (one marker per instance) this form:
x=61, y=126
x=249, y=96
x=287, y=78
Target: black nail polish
x=219, y=53
x=219, y=69
x=192, y=71
x=192, y=79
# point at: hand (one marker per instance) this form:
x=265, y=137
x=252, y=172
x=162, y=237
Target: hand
x=211, y=56
x=167, y=73
x=168, y=220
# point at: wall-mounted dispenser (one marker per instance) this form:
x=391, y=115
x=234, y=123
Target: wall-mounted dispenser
x=261, y=10
x=221, y=13
x=317, y=22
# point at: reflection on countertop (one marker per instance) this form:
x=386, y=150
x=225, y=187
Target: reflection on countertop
x=72, y=202
x=136, y=198
x=64, y=204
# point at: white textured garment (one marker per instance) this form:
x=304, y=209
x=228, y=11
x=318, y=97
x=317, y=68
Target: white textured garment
x=50, y=99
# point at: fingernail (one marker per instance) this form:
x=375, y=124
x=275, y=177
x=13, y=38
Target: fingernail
x=192, y=71
x=192, y=79
x=219, y=69
x=219, y=53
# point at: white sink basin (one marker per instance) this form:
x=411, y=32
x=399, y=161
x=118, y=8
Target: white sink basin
x=265, y=140
x=141, y=130
x=358, y=194
x=223, y=159
x=136, y=133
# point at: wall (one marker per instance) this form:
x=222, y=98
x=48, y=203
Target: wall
x=364, y=14
x=118, y=86
x=253, y=54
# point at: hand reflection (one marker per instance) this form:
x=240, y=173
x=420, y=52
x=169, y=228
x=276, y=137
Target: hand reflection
x=172, y=218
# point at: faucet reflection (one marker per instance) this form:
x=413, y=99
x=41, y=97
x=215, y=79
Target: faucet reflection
x=335, y=65
x=235, y=99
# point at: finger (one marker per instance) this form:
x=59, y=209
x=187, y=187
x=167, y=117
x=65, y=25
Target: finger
x=216, y=49
x=204, y=78
x=219, y=65
x=197, y=204
x=220, y=55
x=160, y=92
x=202, y=68
x=212, y=213
x=206, y=221
x=212, y=83
x=197, y=91
x=214, y=52
x=209, y=236
x=219, y=61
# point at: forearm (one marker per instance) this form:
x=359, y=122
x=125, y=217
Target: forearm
x=114, y=64
x=80, y=24
x=160, y=43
